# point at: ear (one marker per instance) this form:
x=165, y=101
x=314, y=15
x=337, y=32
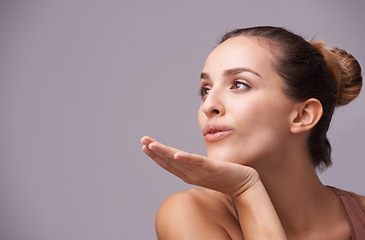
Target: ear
x=305, y=115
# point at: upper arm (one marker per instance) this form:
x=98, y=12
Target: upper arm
x=182, y=216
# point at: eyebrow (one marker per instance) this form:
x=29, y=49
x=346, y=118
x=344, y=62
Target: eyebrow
x=231, y=72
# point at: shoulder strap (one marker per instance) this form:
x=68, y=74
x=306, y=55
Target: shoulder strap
x=355, y=212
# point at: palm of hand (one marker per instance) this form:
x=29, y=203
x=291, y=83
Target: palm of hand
x=229, y=178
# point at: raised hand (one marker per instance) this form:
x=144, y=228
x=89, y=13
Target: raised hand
x=229, y=178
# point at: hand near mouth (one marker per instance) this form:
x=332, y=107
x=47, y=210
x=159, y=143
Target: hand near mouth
x=229, y=178
x=240, y=182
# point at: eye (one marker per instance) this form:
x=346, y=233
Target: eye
x=239, y=85
x=203, y=91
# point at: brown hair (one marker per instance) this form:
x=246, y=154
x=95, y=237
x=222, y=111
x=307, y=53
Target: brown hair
x=310, y=70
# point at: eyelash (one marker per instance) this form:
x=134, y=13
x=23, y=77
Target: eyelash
x=202, y=90
x=202, y=93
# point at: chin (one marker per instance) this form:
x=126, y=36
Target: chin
x=227, y=155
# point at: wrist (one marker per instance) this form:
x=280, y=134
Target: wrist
x=252, y=182
x=252, y=191
x=257, y=215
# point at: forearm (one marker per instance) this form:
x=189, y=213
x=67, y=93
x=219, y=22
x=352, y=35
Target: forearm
x=257, y=215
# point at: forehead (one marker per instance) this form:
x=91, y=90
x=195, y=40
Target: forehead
x=239, y=52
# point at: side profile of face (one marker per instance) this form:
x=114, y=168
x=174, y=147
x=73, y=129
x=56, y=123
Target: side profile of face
x=244, y=114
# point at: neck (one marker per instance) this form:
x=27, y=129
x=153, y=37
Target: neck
x=297, y=193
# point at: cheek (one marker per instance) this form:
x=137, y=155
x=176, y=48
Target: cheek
x=273, y=125
x=263, y=119
x=201, y=118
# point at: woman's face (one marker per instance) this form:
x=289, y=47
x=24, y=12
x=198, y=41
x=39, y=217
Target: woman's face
x=244, y=114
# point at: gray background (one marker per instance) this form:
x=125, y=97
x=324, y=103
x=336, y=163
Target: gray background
x=82, y=81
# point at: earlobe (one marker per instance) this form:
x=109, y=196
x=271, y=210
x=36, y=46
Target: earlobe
x=306, y=115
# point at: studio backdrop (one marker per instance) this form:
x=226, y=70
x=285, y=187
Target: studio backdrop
x=82, y=81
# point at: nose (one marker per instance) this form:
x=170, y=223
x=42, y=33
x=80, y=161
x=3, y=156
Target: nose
x=213, y=104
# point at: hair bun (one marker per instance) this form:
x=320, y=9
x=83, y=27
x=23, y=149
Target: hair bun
x=344, y=69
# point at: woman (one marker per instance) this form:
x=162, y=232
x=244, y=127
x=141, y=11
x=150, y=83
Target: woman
x=267, y=101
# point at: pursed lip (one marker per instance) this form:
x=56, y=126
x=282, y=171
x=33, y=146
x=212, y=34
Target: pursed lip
x=214, y=127
x=215, y=131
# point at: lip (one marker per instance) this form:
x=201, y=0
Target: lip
x=214, y=132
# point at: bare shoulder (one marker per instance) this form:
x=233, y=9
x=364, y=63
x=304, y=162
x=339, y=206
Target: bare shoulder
x=194, y=214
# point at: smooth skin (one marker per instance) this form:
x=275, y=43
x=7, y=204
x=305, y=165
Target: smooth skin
x=258, y=181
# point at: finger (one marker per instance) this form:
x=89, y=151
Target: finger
x=163, y=150
x=191, y=158
x=149, y=152
x=167, y=165
x=146, y=140
x=164, y=156
x=154, y=157
x=158, y=147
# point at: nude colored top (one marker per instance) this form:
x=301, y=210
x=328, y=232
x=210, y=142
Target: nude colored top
x=354, y=211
